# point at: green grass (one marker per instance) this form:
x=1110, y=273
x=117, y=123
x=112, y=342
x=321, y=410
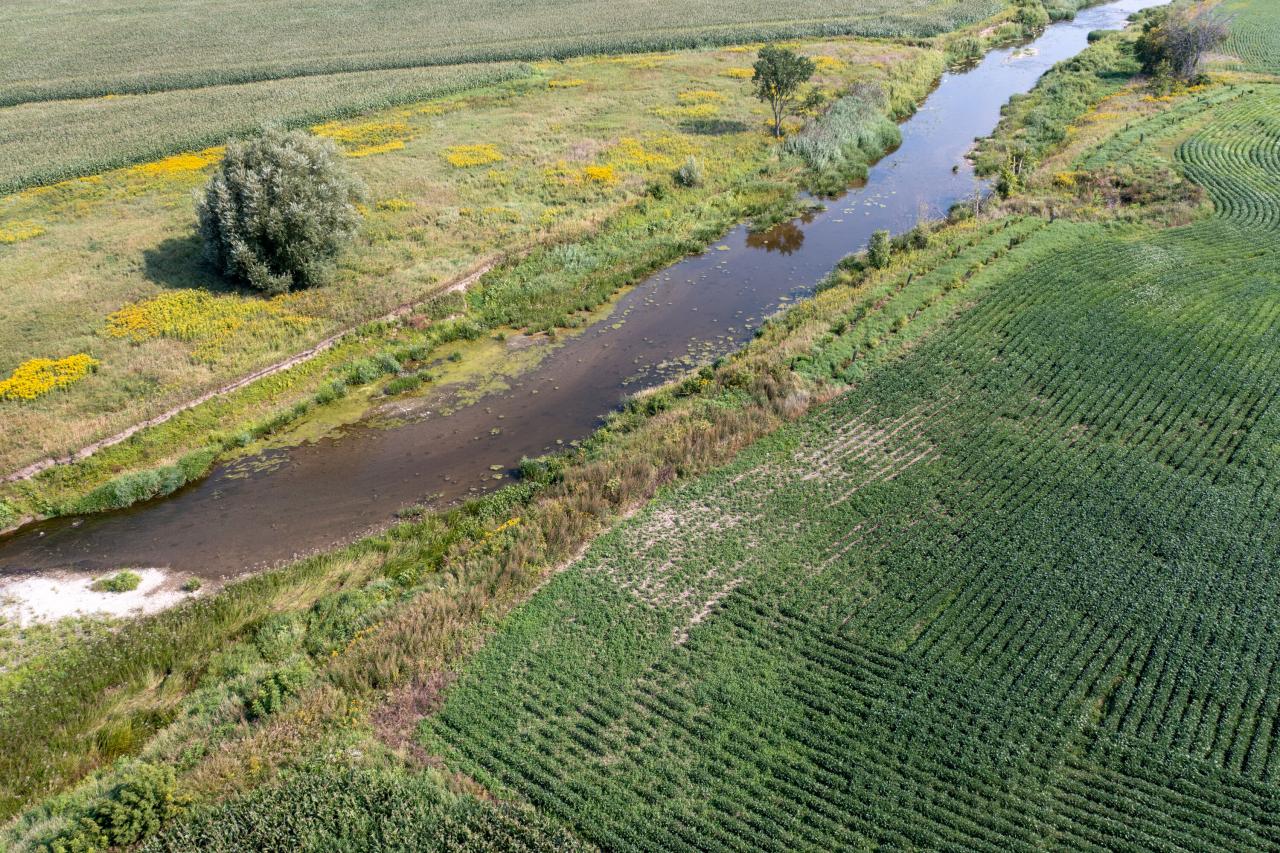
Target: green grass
x=55, y=52
x=1011, y=592
x=119, y=582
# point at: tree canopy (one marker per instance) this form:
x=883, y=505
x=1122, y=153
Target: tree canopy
x=779, y=74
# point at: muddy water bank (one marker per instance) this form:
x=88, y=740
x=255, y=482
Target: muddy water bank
x=293, y=500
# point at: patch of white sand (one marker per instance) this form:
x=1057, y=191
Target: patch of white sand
x=47, y=598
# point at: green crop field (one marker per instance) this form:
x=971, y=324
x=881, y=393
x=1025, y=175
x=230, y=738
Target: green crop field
x=46, y=141
x=1015, y=591
x=53, y=50
x=1255, y=34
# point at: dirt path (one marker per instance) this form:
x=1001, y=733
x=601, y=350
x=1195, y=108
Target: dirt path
x=26, y=473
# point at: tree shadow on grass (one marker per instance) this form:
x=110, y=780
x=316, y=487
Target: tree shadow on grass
x=178, y=263
x=712, y=126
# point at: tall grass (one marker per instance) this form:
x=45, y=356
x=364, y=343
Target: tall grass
x=839, y=145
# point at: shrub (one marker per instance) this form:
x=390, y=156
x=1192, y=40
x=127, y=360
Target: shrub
x=880, y=250
x=279, y=210
x=408, y=382
x=119, y=582
x=138, y=486
x=1173, y=42
x=690, y=173
x=1032, y=16
x=191, y=585
x=271, y=693
x=146, y=799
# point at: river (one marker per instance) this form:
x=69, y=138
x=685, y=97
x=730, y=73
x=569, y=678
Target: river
x=295, y=500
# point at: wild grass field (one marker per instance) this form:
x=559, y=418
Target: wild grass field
x=109, y=265
x=43, y=142
x=53, y=51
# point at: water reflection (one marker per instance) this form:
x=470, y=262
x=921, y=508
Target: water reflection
x=785, y=238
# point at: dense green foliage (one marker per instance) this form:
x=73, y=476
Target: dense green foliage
x=136, y=808
x=1022, y=597
x=839, y=145
x=1032, y=124
x=1173, y=42
x=321, y=809
x=279, y=210
x=52, y=52
x=135, y=487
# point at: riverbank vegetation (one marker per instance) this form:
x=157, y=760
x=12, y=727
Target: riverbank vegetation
x=947, y=350
x=581, y=169
x=1022, y=462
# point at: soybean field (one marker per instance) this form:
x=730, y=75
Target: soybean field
x=1016, y=590
x=1255, y=34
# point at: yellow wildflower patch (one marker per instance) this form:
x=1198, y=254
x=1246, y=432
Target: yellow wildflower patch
x=659, y=151
x=687, y=111
x=361, y=139
x=381, y=148
x=829, y=64
x=601, y=174
x=39, y=376
x=565, y=84
x=698, y=96
x=205, y=319
x=465, y=156
x=740, y=73
x=395, y=204
x=180, y=163
x=15, y=232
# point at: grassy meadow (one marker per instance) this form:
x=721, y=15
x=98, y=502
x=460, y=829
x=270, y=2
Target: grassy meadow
x=455, y=183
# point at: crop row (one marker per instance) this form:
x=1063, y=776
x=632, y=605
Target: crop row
x=1136, y=139
x=1237, y=158
x=921, y=610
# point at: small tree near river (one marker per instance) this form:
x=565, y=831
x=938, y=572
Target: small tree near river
x=779, y=74
x=1174, y=41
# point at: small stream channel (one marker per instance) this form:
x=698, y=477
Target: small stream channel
x=289, y=501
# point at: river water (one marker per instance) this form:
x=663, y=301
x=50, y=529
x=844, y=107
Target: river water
x=295, y=500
